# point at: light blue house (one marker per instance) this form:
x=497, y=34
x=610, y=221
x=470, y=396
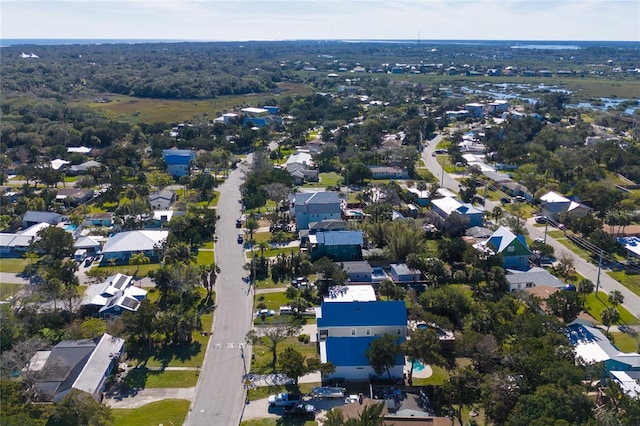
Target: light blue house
x=347, y=328
x=312, y=207
x=178, y=161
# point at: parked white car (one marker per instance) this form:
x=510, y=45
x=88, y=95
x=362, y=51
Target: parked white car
x=266, y=313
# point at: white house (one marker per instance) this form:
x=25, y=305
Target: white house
x=123, y=245
x=114, y=295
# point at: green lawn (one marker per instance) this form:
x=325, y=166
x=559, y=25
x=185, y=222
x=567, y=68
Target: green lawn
x=272, y=300
x=179, y=356
x=130, y=269
x=329, y=179
x=166, y=412
x=594, y=305
x=269, y=283
x=141, y=378
x=275, y=252
x=632, y=282
x=265, y=391
x=261, y=364
x=14, y=266
x=7, y=290
x=438, y=378
x=626, y=342
x=205, y=257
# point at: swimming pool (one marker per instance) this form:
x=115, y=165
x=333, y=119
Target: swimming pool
x=417, y=366
x=70, y=227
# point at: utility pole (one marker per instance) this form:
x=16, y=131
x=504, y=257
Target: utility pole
x=546, y=226
x=599, y=269
x=442, y=176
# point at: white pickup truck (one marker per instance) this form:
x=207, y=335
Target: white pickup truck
x=284, y=400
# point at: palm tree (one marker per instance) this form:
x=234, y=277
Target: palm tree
x=616, y=298
x=138, y=259
x=610, y=316
x=263, y=245
x=585, y=286
x=208, y=274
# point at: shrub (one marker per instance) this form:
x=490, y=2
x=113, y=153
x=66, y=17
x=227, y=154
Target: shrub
x=303, y=338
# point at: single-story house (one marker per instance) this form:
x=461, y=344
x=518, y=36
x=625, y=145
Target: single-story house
x=400, y=272
x=114, y=296
x=84, y=167
x=123, y=245
x=74, y=195
x=14, y=245
x=99, y=219
x=31, y=218
x=388, y=172
x=91, y=244
x=591, y=345
x=84, y=365
x=358, y=271
x=534, y=277
x=161, y=200
x=447, y=205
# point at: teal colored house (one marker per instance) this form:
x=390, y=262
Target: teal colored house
x=336, y=245
x=513, y=248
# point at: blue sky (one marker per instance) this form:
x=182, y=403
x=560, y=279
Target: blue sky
x=213, y=20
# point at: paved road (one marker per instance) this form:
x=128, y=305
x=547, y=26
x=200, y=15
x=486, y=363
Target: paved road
x=220, y=393
x=446, y=180
x=582, y=266
x=590, y=271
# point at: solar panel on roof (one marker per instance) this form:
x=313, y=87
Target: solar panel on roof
x=120, y=282
x=130, y=303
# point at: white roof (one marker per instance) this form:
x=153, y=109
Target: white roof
x=79, y=149
x=552, y=197
x=134, y=241
x=447, y=204
x=254, y=110
x=629, y=381
x=98, y=363
x=33, y=230
x=351, y=293
x=159, y=214
x=99, y=294
x=88, y=241
x=57, y=163
x=299, y=158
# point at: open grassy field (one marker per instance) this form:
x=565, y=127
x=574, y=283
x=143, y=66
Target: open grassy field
x=130, y=269
x=167, y=412
x=138, y=110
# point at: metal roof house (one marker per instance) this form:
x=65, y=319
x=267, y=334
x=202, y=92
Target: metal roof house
x=447, y=205
x=31, y=218
x=513, y=248
x=358, y=271
x=161, y=200
x=123, y=245
x=314, y=207
x=336, y=245
x=593, y=346
x=346, y=329
x=534, y=277
x=178, y=161
x=114, y=296
x=75, y=364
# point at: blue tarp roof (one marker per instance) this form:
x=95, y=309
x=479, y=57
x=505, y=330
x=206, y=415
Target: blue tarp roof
x=350, y=351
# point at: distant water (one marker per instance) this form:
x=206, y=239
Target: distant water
x=516, y=44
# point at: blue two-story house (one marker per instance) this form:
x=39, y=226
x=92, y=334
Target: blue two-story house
x=178, y=161
x=347, y=328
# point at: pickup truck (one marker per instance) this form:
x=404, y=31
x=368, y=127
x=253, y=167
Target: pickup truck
x=284, y=400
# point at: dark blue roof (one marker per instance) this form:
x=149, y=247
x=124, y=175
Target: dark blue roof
x=350, y=351
x=345, y=314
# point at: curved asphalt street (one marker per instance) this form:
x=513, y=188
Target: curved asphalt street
x=220, y=393
x=582, y=266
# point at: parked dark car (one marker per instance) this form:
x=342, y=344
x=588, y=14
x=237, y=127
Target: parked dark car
x=238, y=223
x=240, y=239
x=505, y=200
x=306, y=411
x=541, y=219
x=88, y=261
